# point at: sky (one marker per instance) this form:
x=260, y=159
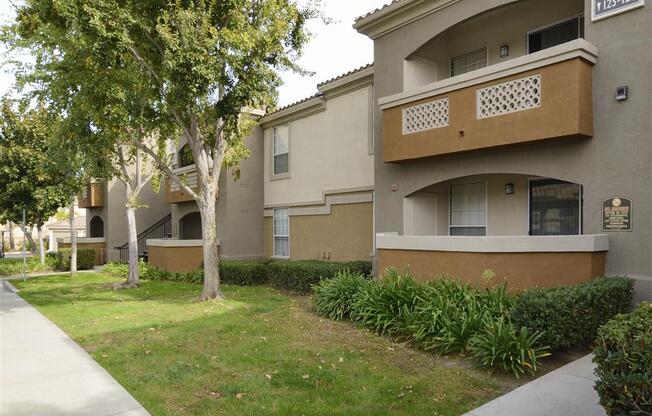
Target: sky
x=334, y=49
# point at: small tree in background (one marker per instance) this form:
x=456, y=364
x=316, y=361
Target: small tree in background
x=200, y=63
x=28, y=177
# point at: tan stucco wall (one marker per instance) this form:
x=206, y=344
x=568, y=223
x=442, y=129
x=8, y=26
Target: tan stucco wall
x=344, y=235
x=100, y=250
x=616, y=161
x=176, y=259
x=565, y=111
x=328, y=151
x=521, y=270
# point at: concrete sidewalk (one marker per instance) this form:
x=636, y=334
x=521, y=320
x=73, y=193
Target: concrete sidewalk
x=565, y=391
x=44, y=372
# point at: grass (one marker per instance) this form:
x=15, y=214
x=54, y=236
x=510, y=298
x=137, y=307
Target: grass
x=259, y=352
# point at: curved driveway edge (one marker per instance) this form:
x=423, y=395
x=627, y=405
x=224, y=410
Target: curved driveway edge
x=44, y=372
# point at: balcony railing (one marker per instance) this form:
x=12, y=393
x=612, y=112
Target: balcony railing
x=174, y=193
x=541, y=96
x=92, y=196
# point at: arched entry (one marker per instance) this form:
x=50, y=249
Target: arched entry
x=190, y=226
x=97, y=227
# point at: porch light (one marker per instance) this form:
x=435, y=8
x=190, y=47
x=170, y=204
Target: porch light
x=504, y=51
x=509, y=188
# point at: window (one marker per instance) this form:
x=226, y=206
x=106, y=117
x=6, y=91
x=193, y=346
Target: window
x=469, y=62
x=185, y=156
x=97, y=227
x=281, y=233
x=468, y=209
x=555, y=34
x=280, y=150
x=555, y=207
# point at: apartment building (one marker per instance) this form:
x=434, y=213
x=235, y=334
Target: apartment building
x=513, y=136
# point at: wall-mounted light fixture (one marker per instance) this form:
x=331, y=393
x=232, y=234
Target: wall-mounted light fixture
x=504, y=50
x=509, y=188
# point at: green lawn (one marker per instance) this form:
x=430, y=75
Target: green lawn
x=260, y=352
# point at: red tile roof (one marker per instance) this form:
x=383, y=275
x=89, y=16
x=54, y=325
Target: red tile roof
x=377, y=10
x=346, y=74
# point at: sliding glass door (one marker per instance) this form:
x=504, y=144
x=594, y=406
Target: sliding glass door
x=555, y=207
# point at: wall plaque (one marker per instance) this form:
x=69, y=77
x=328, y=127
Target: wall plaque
x=607, y=8
x=617, y=214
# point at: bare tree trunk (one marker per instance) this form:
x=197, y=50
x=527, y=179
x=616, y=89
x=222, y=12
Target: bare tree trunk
x=211, y=289
x=12, y=241
x=27, y=232
x=133, y=278
x=41, y=245
x=73, y=240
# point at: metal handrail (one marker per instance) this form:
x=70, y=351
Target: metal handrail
x=160, y=229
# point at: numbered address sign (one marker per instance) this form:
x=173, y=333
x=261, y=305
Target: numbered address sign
x=607, y=8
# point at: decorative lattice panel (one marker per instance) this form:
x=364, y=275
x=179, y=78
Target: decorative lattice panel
x=509, y=97
x=431, y=115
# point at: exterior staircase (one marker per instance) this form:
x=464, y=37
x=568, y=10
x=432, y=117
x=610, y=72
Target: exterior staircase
x=160, y=229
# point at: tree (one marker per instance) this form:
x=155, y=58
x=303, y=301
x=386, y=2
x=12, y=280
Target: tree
x=201, y=62
x=28, y=177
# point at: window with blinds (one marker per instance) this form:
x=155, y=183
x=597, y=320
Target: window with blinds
x=280, y=150
x=469, y=62
x=555, y=207
x=281, y=232
x=468, y=209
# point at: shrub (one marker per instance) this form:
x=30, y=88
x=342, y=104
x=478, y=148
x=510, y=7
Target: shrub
x=333, y=298
x=388, y=305
x=300, y=276
x=116, y=269
x=499, y=344
x=85, y=259
x=623, y=355
x=571, y=315
x=243, y=272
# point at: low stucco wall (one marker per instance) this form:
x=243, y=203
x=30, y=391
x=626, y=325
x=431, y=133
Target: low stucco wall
x=100, y=250
x=345, y=234
x=176, y=259
x=521, y=270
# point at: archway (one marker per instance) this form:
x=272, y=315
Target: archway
x=190, y=226
x=97, y=227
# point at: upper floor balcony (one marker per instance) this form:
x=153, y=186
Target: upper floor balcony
x=92, y=195
x=173, y=192
x=539, y=96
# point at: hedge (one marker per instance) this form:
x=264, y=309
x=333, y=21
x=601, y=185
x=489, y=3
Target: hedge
x=297, y=276
x=85, y=259
x=571, y=315
x=623, y=355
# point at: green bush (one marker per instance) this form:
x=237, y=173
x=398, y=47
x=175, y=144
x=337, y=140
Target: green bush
x=299, y=276
x=85, y=259
x=571, y=315
x=387, y=306
x=334, y=298
x=116, y=269
x=243, y=272
x=14, y=265
x=623, y=355
x=499, y=344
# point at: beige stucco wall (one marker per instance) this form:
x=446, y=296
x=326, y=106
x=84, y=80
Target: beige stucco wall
x=343, y=235
x=328, y=150
x=615, y=162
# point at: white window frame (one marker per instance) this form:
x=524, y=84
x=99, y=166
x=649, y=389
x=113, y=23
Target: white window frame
x=486, y=60
x=274, y=235
x=486, y=208
x=553, y=24
x=286, y=174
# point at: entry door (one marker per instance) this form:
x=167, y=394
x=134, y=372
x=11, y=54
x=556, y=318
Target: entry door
x=420, y=214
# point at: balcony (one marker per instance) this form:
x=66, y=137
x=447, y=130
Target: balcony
x=174, y=193
x=92, y=196
x=522, y=261
x=541, y=96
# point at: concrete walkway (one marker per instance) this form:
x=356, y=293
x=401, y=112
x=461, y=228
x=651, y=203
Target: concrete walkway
x=565, y=391
x=44, y=372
